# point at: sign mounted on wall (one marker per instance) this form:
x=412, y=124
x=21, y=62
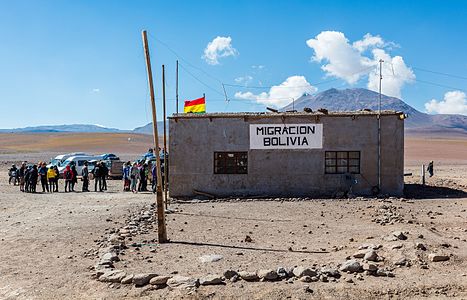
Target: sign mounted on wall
x=286, y=136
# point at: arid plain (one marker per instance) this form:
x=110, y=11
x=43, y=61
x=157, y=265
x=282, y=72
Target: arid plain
x=50, y=243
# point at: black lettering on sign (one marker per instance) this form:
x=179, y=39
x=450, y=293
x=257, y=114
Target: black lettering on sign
x=267, y=141
x=270, y=131
x=305, y=141
x=259, y=130
x=311, y=129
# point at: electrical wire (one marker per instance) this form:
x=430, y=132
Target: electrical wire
x=439, y=73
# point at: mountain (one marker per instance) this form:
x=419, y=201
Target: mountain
x=62, y=128
x=358, y=98
x=147, y=129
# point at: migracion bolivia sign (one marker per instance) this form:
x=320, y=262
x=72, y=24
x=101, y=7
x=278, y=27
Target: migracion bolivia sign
x=286, y=136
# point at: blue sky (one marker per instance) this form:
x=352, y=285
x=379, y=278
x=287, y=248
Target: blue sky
x=66, y=62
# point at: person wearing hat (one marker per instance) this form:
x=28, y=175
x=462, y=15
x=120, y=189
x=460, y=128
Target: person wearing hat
x=43, y=173
x=21, y=173
x=12, y=173
x=51, y=178
x=85, y=176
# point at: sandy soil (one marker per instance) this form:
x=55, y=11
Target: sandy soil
x=48, y=241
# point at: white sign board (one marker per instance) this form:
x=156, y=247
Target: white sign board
x=286, y=136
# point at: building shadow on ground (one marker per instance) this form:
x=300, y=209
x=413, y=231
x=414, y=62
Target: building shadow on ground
x=419, y=191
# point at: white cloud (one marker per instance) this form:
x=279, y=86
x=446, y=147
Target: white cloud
x=368, y=41
x=219, y=47
x=282, y=94
x=244, y=79
x=454, y=102
x=259, y=67
x=96, y=90
x=351, y=62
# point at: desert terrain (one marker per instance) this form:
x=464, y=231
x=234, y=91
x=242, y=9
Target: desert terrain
x=52, y=244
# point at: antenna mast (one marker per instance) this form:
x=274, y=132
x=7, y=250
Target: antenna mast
x=379, y=124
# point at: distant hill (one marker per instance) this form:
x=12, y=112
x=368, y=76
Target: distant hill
x=147, y=129
x=358, y=98
x=62, y=128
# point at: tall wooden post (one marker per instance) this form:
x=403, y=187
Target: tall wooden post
x=161, y=227
x=165, y=138
x=176, y=87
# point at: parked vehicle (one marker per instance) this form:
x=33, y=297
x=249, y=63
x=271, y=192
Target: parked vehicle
x=115, y=167
x=109, y=156
x=78, y=161
x=59, y=159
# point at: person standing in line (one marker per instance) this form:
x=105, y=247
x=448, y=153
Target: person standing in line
x=143, y=182
x=33, y=179
x=21, y=172
x=97, y=177
x=154, y=177
x=105, y=173
x=27, y=179
x=51, y=178
x=68, y=175
x=85, y=175
x=430, y=169
x=126, y=176
x=57, y=178
x=75, y=177
x=12, y=174
x=134, y=175
x=43, y=174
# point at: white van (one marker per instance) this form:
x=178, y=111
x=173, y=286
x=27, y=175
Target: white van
x=78, y=161
x=59, y=159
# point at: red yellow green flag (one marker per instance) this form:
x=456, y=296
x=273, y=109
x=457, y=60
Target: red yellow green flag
x=195, y=106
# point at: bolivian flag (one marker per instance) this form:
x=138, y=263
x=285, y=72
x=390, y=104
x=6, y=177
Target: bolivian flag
x=195, y=106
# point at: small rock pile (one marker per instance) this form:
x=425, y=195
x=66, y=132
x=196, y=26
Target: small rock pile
x=387, y=214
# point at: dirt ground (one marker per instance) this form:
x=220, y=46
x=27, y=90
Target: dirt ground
x=49, y=241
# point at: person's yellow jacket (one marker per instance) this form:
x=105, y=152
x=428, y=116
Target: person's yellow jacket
x=51, y=174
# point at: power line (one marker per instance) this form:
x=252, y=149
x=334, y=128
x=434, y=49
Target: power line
x=200, y=81
x=439, y=73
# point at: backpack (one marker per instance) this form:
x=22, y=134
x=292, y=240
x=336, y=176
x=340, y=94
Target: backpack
x=68, y=175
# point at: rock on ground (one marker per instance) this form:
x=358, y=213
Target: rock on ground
x=248, y=276
x=434, y=257
x=268, y=275
x=143, y=279
x=351, y=266
x=211, y=280
x=159, y=280
x=182, y=282
x=112, y=276
x=301, y=271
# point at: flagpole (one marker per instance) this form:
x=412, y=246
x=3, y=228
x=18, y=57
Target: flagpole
x=161, y=227
x=176, y=86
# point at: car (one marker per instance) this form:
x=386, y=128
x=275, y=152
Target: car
x=109, y=156
x=59, y=159
x=78, y=161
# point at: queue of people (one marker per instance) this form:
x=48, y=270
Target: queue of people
x=28, y=176
x=137, y=175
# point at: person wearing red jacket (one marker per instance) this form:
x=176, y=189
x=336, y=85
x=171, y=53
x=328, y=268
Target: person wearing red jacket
x=69, y=180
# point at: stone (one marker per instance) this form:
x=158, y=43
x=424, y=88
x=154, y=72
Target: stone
x=349, y=280
x=323, y=278
x=267, y=275
x=110, y=256
x=301, y=271
x=282, y=273
x=434, y=257
x=143, y=278
x=159, y=280
x=396, y=246
x=112, y=276
x=211, y=280
x=307, y=289
x=360, y=254
x=330, y=272
x=371, y=256
x=420, y=246
x=230, y=273
x=399, y=235
x=370, y=267
x=248, y=276
x=384, y=273
x=210, y=258
x=401, y=262
x=127, y=279
x=305, y=279
x=350, y=266
x=182, y=282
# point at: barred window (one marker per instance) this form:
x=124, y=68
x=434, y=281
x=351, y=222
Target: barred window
x=230, y=162
x=341, y=162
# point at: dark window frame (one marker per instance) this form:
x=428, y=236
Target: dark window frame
x=342, y=162
x=225, y=164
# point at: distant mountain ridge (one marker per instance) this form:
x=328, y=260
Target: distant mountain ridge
x=62, y=128
x=359, y=98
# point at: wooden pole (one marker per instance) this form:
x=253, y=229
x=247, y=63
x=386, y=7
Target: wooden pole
x=165, y=137
x=161, y=228
x=176, y=86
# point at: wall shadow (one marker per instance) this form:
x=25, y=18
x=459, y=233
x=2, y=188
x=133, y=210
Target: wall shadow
x=418, y=191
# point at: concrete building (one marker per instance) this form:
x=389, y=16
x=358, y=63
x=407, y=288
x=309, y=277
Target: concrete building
x=286, y=154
